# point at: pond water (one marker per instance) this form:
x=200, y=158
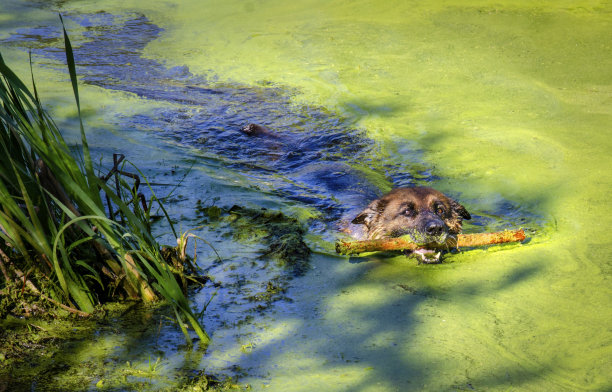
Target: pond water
x=505, y=108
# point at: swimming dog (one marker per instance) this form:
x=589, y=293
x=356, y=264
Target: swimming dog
x=429, y=217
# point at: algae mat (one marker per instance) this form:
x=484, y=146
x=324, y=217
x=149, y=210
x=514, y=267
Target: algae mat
x=505, y=102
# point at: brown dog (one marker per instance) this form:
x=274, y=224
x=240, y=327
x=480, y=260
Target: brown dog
x=429, y=217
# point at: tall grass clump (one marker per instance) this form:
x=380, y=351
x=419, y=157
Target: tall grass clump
x=56, y=240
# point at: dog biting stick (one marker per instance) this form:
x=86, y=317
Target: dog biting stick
x=404, y=243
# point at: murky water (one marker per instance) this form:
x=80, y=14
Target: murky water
x=506, y=109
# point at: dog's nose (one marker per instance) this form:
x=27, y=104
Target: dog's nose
x=434, y=229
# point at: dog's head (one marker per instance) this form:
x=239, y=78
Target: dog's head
x=429, y=217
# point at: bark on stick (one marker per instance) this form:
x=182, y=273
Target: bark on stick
x=404, y=243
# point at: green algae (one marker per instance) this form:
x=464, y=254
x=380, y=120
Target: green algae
x=80, y=354
x=508, y=100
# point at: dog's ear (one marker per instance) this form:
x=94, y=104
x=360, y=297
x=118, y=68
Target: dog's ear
x=460, y=210
x=365, y=217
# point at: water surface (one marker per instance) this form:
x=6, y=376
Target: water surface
x=506, y=108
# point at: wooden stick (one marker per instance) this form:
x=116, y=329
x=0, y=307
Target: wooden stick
x=481, y=239
x=404, y=243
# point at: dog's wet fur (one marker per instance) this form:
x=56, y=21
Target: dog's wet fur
x=429, y=217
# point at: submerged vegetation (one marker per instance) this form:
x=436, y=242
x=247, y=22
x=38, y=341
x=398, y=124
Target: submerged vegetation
x=90, y=354
x=57, y=241
x=281, y=235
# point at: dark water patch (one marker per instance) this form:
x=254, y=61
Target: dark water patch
x=208, y=116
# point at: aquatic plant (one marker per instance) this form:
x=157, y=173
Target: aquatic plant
x=57, y=241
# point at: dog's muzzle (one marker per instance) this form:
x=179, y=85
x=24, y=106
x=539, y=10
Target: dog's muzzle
x=432, y=233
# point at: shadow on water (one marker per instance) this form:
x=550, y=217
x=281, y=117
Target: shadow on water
x=363, y=108
x=318, y=160
x=338, y=339
x=122, y=353
x=366, y=344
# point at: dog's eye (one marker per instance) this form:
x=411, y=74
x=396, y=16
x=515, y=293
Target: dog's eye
x=440, y=210
x=409, y=210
